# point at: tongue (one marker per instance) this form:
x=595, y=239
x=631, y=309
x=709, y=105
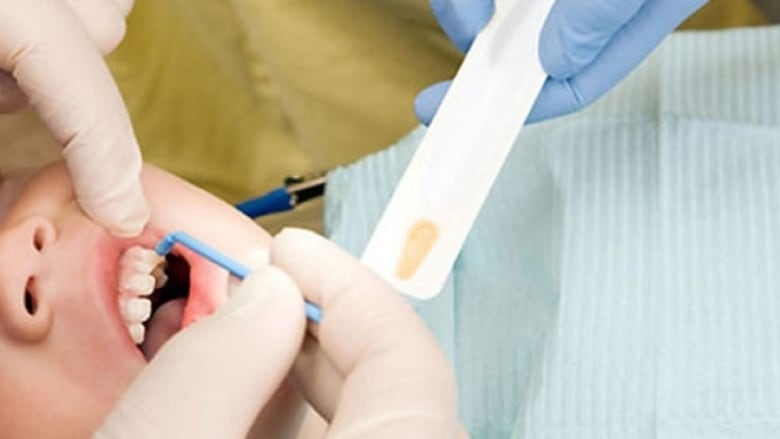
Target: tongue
x=165, y=322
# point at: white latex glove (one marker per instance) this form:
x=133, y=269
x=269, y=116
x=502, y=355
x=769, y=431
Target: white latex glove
x=50, y=55
x=371, y=368
x=212, y=379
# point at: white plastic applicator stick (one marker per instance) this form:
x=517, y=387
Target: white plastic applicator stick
x=434, y=206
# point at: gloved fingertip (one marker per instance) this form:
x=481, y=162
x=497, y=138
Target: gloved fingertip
x=557, y=98
x=295, y=235
x=131, y=224
x=291, y=242
x=267, y=289
x=553, y=54
x=130, y=229
x=125, y=6
x=462, y=20
x=124, y=217
x=427, y=103
x=103, y=21
x=269, y=280
x=575, y=33
x=479, y=13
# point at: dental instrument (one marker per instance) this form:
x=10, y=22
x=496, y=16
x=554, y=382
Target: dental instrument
x=431, y=212
x=234, y=267
x=294, y=191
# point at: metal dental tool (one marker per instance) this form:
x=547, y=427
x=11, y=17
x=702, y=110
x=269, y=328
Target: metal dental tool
x=296, y=190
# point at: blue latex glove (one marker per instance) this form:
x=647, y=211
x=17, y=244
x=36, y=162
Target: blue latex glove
x=587, y=46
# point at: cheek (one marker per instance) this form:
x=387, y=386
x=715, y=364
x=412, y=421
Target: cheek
x=94, y=352
x=58, y=384
x=42, y=193
x=68, y=413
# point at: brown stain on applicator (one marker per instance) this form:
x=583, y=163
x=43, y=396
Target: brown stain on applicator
x=419, y=242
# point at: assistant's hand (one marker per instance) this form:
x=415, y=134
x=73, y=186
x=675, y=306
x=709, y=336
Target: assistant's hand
x=371, y=368
x=587, y=46
x=212, y=379
x=51, y=56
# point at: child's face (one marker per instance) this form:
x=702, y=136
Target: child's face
x=65, y=351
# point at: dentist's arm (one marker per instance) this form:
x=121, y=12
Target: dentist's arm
x=587, y=46
x=371, y=368
x=51, y=56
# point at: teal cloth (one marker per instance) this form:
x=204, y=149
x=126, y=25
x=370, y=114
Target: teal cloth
x=623, y=278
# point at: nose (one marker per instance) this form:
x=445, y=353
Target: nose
x=25, y=314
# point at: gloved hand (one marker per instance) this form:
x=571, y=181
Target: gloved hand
x=212, y=379
x=371, y=368
x=587, y=46
x=50, y=55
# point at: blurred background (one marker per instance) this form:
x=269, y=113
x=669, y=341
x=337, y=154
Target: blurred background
x=234, y=96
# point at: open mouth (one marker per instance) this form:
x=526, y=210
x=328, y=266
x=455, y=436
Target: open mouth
x=176, y=285
x=167, y=305
x=158, y=297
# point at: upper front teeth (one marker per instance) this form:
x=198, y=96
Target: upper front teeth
x=140, y=260
x=136, y=284
x=135, y=310
x=140, y=272
x=137, y=332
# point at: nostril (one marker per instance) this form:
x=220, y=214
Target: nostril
x=30, y=303
x=43, y=234
x=38, y=239
x=31, y=323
